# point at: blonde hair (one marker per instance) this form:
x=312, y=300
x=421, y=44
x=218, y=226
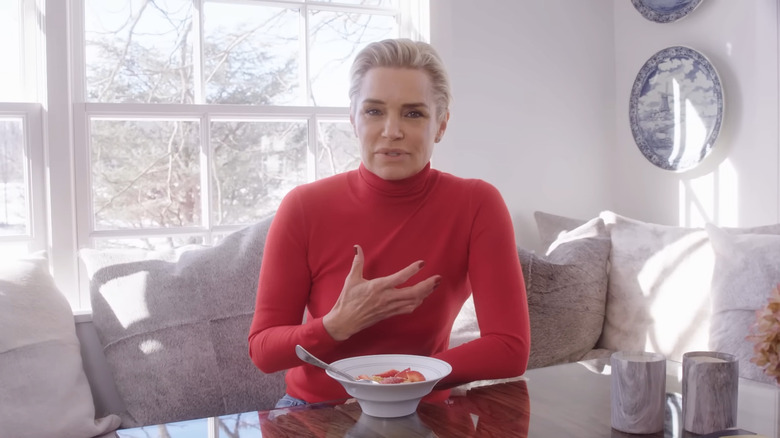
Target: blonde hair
x=403, y=53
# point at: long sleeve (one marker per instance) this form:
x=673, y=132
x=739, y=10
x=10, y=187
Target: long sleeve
x=500, y=298
x=283, y=294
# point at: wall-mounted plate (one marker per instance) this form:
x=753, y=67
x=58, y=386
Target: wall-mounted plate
x=665, y=11
x=676, y=108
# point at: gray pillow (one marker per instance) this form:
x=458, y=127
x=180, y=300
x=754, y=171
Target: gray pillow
x=567, y=292
x=746, y=271
x=174, y=328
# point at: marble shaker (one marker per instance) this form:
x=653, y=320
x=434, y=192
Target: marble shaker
x=638, y=391
x=709, y=391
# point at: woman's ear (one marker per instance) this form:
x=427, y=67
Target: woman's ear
x=352, y=120
x=442, y=127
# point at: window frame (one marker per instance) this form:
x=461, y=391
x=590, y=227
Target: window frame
x=66, y=118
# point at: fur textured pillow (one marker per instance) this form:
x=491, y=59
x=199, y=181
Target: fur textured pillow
x=174, y=329
x=567, y=292
x=746, y=271
x=43, y=388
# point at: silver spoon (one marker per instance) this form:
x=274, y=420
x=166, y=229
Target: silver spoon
x=310, y=358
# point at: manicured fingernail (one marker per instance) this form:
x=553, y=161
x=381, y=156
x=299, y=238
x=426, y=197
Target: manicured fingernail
x=420, y=265
x=438, y=282
x=356, y=251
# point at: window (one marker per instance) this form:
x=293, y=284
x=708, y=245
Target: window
x=161, y=123
x=22, y=189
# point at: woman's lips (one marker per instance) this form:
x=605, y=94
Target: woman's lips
x=391, y=152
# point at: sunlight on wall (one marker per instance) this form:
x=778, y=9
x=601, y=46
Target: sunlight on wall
x=710, y=198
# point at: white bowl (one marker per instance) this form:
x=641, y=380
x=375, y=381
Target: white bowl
x=390, y=400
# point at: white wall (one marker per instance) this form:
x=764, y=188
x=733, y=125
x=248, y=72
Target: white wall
x=534, y=96
x=738, y=183
x=541, y=108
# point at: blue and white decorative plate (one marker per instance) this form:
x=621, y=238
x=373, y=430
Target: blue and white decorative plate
x=676, y=108
x=665, y=11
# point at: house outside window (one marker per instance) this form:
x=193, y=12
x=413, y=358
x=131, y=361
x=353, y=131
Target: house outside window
x=172, y=122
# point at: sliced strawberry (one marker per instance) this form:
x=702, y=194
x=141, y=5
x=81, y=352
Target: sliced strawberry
x=387, y=373
x=411, y=376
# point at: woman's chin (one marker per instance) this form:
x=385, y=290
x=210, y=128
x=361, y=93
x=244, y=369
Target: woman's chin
x=392, y=172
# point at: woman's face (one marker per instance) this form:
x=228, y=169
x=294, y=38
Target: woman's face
x=395, y=120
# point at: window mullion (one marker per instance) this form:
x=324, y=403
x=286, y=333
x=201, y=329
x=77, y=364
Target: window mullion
x=311, y=156
x=197, y=52
x=305, y=44
x=206, y=174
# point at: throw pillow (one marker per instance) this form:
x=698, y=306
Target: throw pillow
x=174, y=328
x=551, y=227
x=44, y=392
x=567, y=292
x=746, y=271
x=566, y=297
x=659, y=286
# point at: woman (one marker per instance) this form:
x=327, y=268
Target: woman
x=382, y=258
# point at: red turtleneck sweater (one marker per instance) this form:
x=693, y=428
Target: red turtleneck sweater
x=460, y=227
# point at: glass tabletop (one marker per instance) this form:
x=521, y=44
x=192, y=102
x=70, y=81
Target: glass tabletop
x=562, y=400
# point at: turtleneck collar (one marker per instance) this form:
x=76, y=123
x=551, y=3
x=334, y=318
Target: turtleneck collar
x=414, y=185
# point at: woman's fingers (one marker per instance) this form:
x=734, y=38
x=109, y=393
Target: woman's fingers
x=402, y=276
x=415, y=294
x=356, y=271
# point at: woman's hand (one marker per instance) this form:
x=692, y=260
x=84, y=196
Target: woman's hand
x=363, y=302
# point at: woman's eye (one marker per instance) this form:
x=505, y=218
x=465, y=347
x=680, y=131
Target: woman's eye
x=372, y=112
x=414, y=114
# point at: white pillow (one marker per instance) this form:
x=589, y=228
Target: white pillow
x=45, y=392
x=746, y=271
x=660, y=286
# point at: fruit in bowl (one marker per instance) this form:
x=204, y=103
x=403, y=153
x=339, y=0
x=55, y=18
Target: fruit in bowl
x=390, y=400
x=394, y=376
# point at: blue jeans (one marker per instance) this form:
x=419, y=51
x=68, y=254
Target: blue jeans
x=287, y=401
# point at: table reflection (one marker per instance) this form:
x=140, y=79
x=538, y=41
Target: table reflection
x=487, y=411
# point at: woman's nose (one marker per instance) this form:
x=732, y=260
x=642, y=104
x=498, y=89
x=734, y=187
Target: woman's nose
x=392, y=128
